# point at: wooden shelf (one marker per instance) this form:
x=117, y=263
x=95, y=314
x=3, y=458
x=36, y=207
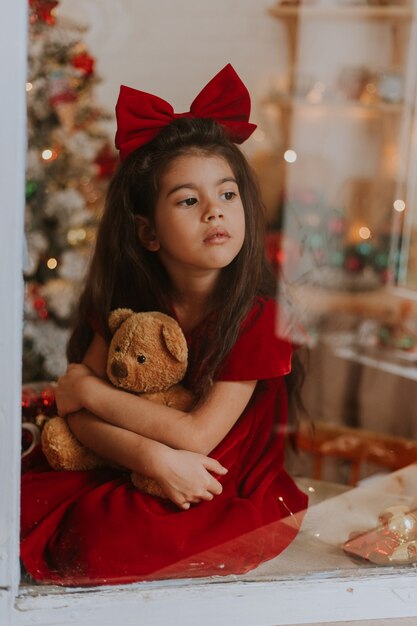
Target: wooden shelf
x=349, y=107
x=342, y=12
x=384, y=304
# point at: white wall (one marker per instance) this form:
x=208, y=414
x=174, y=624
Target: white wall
x=172, y=48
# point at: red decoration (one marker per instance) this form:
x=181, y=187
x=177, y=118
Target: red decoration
x=59, y=88
x=274, y=251
x=106, y=162
x=141, y=116
x=84, y=62
x=353, y=264
x=38, y=398
x=42, y=11
x=39, y=303
x=393, y=542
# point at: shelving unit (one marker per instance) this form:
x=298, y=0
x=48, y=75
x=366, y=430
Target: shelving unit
x=344, y=108
x=343, y=12
x=372, y=127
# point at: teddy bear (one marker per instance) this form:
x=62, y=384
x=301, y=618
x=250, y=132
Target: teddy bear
x=147, y=356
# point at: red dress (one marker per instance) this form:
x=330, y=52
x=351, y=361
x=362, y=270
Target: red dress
x=94, y=527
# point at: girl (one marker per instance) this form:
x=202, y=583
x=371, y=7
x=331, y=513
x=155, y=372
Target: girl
x=182, y=233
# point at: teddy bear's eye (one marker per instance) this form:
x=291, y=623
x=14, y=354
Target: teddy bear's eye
x=117, y=349
x=141, y=358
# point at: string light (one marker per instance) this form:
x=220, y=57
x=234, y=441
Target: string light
x=364, y=232
x=399, y=205
x=290, y=156
x=52, y=263
x=47, y=154
x=29, y=86
x=281, y=499
x=76, y=236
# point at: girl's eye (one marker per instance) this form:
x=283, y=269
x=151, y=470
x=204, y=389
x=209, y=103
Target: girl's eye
x=141, y=359
x=229, y=195
x=188, y=201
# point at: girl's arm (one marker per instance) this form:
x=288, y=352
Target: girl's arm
x=183, y=476
x=198, y=431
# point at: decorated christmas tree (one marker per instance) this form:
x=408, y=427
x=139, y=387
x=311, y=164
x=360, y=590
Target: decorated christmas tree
x=68, y=167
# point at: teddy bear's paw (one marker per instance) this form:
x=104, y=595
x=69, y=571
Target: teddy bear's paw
x=147, y=485
x=63, y=451
x=179, y=398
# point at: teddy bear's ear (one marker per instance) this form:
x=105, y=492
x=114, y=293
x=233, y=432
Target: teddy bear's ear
x=117, y=317
x=175, y=341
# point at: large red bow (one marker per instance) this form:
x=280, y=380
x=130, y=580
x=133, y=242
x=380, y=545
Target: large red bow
x=141, y=116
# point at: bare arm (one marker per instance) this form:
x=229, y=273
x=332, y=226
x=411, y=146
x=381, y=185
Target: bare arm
x=184, y=476
x=198, y=431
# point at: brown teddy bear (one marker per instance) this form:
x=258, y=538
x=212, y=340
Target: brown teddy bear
x=147, y=356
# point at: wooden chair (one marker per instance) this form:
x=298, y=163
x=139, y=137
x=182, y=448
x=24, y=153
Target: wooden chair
x=355, y=446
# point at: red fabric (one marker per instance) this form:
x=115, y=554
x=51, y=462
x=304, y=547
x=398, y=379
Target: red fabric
x=94, y=527
x=140, y=115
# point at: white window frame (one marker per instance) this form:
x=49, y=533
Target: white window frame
x=306, y=599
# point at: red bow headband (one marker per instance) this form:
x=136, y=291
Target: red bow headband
x=141, y=116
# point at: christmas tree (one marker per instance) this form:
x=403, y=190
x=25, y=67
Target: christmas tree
x=68, y=167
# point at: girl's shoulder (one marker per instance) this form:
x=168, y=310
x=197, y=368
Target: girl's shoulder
x=260, y=352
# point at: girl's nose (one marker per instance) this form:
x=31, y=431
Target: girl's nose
x=213, y=212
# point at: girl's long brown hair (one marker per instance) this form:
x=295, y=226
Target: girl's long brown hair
x=124, y=274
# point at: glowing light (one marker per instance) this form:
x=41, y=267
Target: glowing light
x=311, y=489
x=290, y=156
x=364, y=232
x=52, y=263
x=47, y=155
x=76, y=236
x=29, y=86
x=399, y=205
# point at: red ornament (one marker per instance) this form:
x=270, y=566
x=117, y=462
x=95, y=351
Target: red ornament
x=84, y=62
x=42, y=11
x=353, y=264
x=36, y=399
x=273, y=249
x=106, y=162
x=39, y=303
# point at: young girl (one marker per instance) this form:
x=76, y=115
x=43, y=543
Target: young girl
x=182, y=233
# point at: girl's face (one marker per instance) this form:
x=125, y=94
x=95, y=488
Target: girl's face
x=199, y=221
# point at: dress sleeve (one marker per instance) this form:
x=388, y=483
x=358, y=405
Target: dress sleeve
x=258, y=353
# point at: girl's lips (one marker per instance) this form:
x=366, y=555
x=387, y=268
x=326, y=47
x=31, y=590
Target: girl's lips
x=216, y=235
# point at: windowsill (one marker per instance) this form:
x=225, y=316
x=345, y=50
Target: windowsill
x=334, y=512
x=312, y=581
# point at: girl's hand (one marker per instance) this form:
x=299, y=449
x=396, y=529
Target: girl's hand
x=68, y=390
x=185, y=477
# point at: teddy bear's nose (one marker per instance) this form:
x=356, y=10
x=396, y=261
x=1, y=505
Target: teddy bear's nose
x=119, y=369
